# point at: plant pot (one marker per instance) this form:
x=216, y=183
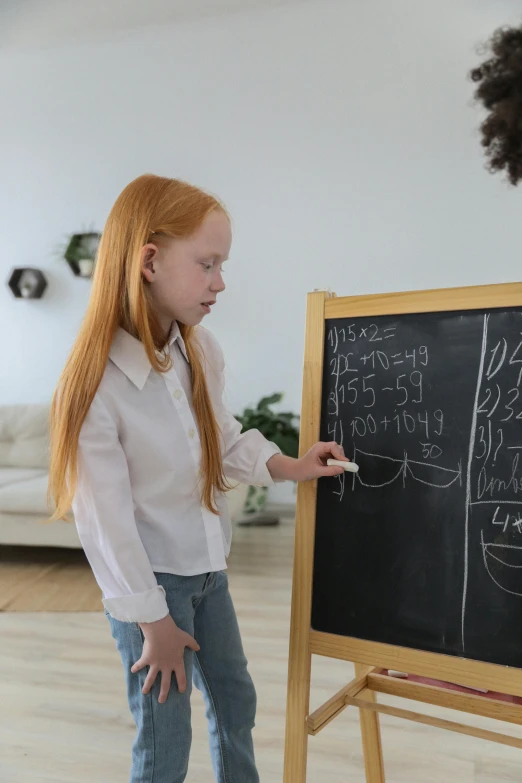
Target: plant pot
x=254, y=509
x=255, y=500
x=86, y=266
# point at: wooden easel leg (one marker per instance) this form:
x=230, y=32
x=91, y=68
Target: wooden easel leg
x=300, y=657
x=297, y=707
x=371, y=738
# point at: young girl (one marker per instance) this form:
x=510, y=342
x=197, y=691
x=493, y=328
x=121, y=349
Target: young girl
x=141, y=444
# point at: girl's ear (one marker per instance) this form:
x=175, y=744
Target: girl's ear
x=149, y=258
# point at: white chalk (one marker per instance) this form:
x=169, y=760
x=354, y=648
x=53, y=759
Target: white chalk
x=394, y=673
x=350, y=466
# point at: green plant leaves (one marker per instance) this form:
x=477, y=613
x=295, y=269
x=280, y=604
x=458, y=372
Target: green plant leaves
x=281, y=428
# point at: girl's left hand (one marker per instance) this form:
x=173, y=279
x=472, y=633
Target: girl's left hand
x=313, y=464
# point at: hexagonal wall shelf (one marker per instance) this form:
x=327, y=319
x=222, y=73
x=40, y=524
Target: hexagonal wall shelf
x=81, y=252
x=27, y=283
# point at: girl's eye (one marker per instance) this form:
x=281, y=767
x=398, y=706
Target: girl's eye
x=209, y=266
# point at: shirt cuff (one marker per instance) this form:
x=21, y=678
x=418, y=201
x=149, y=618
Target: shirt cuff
x=144, y=607
x=261, y=475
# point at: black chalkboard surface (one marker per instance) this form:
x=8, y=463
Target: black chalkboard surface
x=423, y=547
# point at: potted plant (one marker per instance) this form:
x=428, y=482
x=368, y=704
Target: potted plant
x=80, y=251
x=282, y=429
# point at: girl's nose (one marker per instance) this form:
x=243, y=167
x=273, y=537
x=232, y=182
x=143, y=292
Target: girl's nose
x=218, y=283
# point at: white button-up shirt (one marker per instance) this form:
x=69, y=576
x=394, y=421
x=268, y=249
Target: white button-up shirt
x=137, y=506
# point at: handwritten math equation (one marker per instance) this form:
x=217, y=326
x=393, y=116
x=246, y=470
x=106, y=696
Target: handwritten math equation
x=383, y=379
x=496, y=469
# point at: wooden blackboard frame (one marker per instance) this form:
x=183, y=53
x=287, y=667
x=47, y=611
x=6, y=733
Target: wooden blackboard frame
x=371, y=658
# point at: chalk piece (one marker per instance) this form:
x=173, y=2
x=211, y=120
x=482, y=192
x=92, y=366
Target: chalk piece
x=394, y=673
x=350, y=466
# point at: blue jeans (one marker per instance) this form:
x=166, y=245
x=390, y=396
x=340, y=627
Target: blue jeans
x=200, y=605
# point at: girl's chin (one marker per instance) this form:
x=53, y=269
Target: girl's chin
x=191, y=319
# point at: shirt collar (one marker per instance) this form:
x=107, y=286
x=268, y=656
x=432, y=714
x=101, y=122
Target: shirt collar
x=128, y=353
x=175, y=334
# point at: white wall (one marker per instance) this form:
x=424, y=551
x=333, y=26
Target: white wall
x=341, y=136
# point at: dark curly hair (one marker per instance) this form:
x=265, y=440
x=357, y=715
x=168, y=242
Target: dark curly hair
x=500, y=92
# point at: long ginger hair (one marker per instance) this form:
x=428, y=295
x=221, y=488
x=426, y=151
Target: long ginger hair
x=119, y=298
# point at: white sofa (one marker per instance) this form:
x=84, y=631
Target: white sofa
x=24, y=476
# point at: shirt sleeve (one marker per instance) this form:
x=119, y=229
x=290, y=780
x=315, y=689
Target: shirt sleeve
x=244, y=454
x=104, y=516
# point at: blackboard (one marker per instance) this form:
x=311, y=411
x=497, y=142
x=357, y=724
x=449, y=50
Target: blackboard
x=423, y=547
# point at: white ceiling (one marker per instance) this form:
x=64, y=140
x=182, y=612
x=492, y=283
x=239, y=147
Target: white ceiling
x=43, y=22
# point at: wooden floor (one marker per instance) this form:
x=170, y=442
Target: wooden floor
x=64, y=716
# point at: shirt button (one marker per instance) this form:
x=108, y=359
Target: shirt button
x=177, y=394
x=191, y=433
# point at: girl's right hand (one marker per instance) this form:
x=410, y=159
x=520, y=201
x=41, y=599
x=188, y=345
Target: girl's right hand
x=163, y=651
